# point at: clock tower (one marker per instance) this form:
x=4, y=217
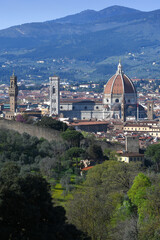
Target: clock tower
x=13, y=93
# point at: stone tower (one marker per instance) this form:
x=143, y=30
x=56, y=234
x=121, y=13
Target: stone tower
x=123, y=109
x=54, y=95
x=150, y=110
x=13, y=93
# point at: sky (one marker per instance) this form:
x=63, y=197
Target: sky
x=15, y=12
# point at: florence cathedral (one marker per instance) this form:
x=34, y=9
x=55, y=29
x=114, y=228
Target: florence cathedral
x=119, y=101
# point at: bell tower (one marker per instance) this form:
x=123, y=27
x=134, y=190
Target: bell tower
x=54, y=95
x=13, y=93
x=150, y=110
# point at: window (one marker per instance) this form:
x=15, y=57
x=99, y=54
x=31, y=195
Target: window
x=61, y=107
x=129, y=101
x=97, y=107
x=107, y=100
x=53, y=90
x=85, y=107
x=117, y=100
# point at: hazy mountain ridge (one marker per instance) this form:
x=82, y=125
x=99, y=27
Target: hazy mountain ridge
x=91, y=16
x=88, y=36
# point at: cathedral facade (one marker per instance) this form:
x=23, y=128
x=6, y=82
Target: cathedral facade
x=119, y=101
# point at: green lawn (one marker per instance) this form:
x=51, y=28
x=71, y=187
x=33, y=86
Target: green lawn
x=58, y=192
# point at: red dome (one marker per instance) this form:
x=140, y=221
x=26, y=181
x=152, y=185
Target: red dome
x=119, y=83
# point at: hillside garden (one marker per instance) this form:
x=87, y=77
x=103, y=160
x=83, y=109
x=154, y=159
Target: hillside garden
x=113, y=200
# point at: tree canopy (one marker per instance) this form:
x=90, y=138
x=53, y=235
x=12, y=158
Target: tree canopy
x=95, y=152
x=49, y=122
x=94, y=206
x=26, y=209
x=153, y=151
x=73, y=137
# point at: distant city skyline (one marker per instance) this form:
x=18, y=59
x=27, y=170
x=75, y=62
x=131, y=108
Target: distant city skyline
x=21, y=11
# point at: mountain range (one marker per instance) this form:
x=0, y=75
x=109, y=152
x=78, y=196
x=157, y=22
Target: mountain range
x=96, y=38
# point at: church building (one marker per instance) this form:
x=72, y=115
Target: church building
x=119, y=101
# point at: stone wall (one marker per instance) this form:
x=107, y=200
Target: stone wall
x=39, y=132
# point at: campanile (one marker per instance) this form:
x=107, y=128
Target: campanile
x=13, y=93
x=54, y=95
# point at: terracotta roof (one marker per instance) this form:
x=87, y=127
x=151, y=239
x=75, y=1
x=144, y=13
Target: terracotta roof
x=109, y=84
x=89, y=123
x=87, y=168
x=117, y=87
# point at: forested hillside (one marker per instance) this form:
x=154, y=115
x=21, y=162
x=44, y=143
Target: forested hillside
x=38, y=179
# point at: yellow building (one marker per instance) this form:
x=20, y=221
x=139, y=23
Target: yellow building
x=153, y=131
x=131, y=157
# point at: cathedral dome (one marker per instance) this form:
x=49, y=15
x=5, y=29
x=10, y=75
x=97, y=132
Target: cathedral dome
x=119, y=83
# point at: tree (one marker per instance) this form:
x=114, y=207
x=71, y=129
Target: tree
x=48, y=167
x=73, y=137
x=52, y=123
x=153, y=151
x=26, y=209
x=73, y=154
x=95, y=152
x=20, y=118
x=94, y=205
x=111, y=155
x=138, y=191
